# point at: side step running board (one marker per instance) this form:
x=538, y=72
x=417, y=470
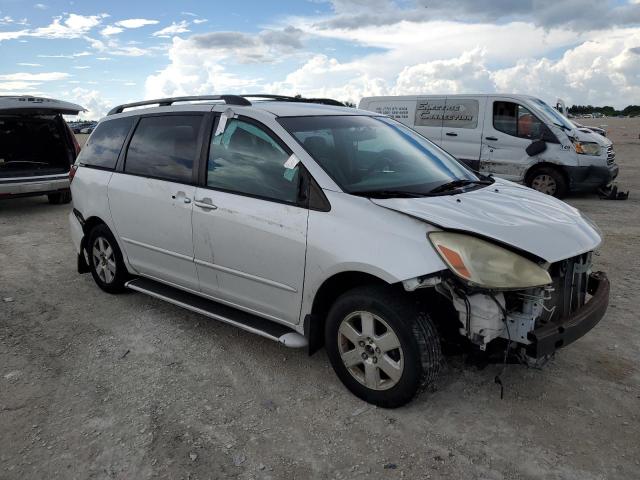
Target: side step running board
x=245, y=321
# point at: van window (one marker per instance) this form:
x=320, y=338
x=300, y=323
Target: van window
x=516, y=120
x=246, y=159
x=461, y=113
x=164, y=147
x=104, y=144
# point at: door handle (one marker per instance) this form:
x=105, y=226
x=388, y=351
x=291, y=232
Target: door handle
x=205, y=204
x=187, y=200
x=451, y=134
x=493, y=139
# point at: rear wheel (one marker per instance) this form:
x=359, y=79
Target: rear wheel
x=105, y=260
x=548, y=180
x=381, y=346
x=59, y=198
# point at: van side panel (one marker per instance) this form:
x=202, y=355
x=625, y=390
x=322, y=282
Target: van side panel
x=418, y=113
x=462, y=128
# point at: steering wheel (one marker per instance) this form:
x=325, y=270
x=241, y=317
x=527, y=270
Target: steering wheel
x=386, y=158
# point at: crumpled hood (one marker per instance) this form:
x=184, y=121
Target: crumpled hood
x=514, y=215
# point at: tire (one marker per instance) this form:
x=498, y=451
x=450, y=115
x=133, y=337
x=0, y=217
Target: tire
x=105, y=260
x=59, y=198
x=548, y=180
x=388, y=377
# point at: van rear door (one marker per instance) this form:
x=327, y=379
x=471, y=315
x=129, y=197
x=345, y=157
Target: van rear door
x=462, y=129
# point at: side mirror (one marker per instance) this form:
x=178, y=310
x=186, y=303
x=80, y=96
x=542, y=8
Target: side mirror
x=536, y=147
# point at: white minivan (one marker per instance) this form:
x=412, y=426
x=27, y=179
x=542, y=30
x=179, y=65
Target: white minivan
x=312, y=224
x=516, y=137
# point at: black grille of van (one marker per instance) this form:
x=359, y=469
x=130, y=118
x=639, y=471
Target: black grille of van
x=611, y=155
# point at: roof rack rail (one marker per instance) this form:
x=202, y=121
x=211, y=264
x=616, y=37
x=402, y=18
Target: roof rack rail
x=165, y=102
x=285, y=98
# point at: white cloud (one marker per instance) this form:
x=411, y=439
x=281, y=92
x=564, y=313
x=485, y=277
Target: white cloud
x=97, y=106
x=111, y=30
x=34, y=77
x=62, y=55
x=73, y=26
x=136, y=22
x=82, y=67
x=21, y=82
x=198, y=21
x=40, y=6
x=25, y=64
x=173, y=29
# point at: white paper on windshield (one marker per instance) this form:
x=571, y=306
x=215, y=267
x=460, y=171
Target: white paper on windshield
x=291, y=162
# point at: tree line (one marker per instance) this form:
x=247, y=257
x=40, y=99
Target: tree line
x=632, y=110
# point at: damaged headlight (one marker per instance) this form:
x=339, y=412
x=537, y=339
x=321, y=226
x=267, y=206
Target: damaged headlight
x=484, y=264
x=587, y=148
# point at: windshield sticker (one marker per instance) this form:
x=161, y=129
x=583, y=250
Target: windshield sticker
x=291, y=162
x=222, y=123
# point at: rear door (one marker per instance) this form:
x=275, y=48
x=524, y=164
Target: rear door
x=151, y=197
x=462, y=129
x=249, y=229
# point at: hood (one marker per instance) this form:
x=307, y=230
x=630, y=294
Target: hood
x=514, y=215
x=26, y=105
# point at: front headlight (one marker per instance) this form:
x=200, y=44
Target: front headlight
x=487, y=265
x=587, y=148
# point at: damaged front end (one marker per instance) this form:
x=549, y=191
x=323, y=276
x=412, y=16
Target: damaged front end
x=534, y=322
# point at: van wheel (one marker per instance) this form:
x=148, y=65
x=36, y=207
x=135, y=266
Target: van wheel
x=548, y=180
x=383, y=349
x=59, y=198
x=105, y=260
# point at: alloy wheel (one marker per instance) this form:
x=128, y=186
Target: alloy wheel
x=104, y=260
x=545, y=184
x=370, y=350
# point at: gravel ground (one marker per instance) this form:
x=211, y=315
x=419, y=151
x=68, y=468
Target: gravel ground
x=100, y=386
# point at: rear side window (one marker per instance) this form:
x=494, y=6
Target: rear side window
x=164, y=147
x=104, y=145
x=516, y=120
x=246, y=159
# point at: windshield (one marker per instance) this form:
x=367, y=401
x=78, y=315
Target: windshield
x=367, y=154
x=553, y=114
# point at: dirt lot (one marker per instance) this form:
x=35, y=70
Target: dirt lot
x=100, y=386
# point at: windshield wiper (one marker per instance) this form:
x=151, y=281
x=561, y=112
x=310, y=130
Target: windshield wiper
x=388, y=194
x=445, y=187
x=564, y=127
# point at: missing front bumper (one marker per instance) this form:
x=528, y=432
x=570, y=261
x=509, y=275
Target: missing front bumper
x=548, y=338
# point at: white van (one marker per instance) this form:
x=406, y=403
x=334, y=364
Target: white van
x=516, y=137
x=313, y=224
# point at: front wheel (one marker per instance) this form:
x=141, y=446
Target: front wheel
x=381, y=346
x=548, y=180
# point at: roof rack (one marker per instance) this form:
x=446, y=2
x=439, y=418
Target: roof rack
x=165, y=102
x=284, y=98
x=240, y=100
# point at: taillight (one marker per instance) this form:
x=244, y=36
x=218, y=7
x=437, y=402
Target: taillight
x=72, y=173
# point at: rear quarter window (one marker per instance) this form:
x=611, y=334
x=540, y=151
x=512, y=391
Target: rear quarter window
x=164, y=147
x=104, y=145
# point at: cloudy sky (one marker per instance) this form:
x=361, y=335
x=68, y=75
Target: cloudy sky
x=103, y=53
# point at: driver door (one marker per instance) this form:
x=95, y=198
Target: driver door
x=509, y=128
